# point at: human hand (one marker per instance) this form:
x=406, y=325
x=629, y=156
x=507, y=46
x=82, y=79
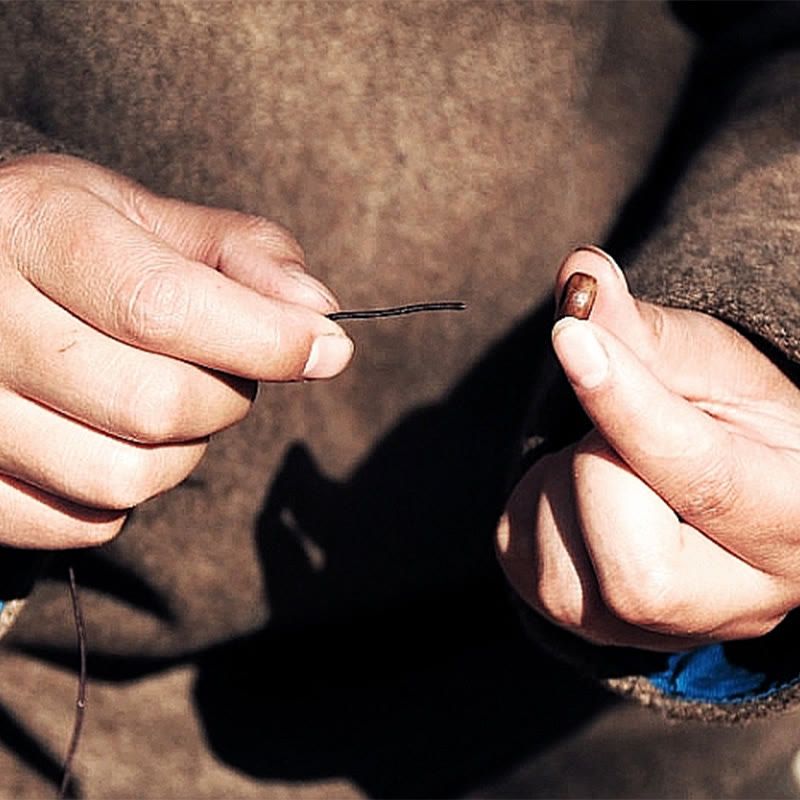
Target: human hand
x=676, y=521
x=133, y=327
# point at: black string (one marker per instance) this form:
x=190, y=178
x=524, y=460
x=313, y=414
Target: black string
x=396, y=311
x=80, y=627
x=80, y=703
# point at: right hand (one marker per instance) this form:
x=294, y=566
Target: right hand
x=675, y=522
x=133, y=327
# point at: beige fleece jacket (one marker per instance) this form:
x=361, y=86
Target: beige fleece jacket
x=418, y=151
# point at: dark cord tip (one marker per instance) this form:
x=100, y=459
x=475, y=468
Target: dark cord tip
x=397, y=311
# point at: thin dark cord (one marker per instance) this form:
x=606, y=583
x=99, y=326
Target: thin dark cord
x=396, y=311
x=80, y=703
x=80, y=627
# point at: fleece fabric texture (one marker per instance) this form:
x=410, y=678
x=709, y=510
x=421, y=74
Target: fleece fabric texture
x=319, y=601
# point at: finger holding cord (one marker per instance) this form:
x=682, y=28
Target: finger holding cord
x=128, y=283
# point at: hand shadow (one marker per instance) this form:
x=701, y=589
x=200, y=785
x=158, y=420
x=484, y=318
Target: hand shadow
x=393, y=656
x=433, y=688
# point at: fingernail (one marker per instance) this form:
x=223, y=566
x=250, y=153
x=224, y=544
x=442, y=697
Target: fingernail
x=598, y=251
x=318, y=290
x=330, y=354
x=582, y=357
x=578, y=296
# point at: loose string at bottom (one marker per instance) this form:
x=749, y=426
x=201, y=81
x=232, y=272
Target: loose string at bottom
x=80, y=702
x=80, y=627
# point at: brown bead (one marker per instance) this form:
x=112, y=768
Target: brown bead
x=578, y=296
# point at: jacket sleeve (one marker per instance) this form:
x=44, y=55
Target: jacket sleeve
x=727, y=243
x=19, y=139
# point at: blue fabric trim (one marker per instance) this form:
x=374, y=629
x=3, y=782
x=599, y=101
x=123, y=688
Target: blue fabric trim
x=707, y=675
x=2, y=605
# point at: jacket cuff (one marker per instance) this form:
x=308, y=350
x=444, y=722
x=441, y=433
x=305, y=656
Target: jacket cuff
x=731, y=683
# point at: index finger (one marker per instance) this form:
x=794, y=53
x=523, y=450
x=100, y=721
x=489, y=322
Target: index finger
x=125, y=281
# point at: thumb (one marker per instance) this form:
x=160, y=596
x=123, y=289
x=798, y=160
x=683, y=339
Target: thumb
x=656, y=335
x=614, y=307
x=691, y=353
x=692, y=407
x=642, y=326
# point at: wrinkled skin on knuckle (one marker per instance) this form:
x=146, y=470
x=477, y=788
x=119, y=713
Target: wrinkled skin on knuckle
x=26, y=200
x=20, y=191
x=656, y=324
x=713, y=490
x=217, y=248
x=274, y=238
x=132, y=199
x=30, y=182
x=153, y=308
x=664, y=338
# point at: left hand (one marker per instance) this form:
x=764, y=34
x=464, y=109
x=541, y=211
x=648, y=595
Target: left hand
x=676, y=521
x=133, y=328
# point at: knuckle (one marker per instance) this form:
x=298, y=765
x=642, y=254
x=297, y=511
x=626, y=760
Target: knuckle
x=711, y=491
x=25, y=199
x=562, y=609
x=136, y=201
x=642, y=597
x=31, y=182
x=655, y=322
x=559, y=600
x=136, y=473
x=155, y=308
x=155, y=411
x=271, y=236
x=130, y=479
x=147, y=471
x=172, y=402
x=20, y=188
